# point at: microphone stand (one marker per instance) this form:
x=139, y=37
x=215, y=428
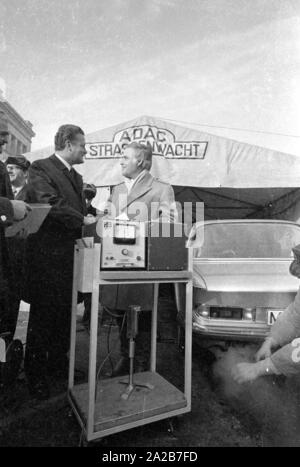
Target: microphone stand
x=132, y=331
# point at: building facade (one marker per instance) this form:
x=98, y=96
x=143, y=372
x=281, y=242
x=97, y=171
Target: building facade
x=20, y=132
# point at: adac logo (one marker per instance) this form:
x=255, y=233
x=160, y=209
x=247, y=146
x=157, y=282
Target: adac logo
x=163, y=143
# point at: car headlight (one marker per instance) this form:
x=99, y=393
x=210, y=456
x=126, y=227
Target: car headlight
x=249, y=314
x=201, y=310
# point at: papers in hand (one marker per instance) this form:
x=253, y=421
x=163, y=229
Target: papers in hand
x=85, y=242
x=31, y=223
x=123, y=217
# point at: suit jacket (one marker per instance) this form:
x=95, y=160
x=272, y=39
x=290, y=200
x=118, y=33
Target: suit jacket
x=6, y=218
x=22, y=194
x=16, y=247
x=149, y=199
x=49, y=252
x=50, y=182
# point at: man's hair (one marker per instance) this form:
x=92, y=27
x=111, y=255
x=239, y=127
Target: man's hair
x=143, y=153
x=66, y=133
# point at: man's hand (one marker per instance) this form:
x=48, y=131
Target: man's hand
x=246, y=372
x=266, y=349
x=21, y=209
x=89, y=219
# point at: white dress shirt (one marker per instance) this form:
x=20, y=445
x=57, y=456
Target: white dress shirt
x=129, y=182
x=17, y=189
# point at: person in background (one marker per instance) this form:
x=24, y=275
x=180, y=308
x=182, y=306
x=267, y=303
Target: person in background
x=140, y=197
x=10, y=210
x=17, y=168
x=280, y=352
x=50, y=254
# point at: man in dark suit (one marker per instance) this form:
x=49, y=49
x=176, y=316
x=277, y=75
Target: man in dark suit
x=50, y=258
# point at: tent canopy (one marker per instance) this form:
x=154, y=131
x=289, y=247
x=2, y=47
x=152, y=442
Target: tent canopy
x=234, y=179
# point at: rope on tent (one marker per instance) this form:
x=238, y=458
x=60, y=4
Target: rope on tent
x=230, y=128
x=247, y=203
x=207, y=191
x=177, y=192
x=267, y=207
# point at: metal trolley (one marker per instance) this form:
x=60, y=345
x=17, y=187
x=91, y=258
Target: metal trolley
x=100, y=408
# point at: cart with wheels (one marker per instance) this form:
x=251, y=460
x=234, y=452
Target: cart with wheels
x=102, y=408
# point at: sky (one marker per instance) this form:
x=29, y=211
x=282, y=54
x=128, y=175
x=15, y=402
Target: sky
x=95, y=63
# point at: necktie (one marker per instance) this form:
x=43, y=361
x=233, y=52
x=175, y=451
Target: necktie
x=73, y=176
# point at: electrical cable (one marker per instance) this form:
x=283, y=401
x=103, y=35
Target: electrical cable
x=114, y=315
x=81, y=439
x=108, y=356
x=107, y=342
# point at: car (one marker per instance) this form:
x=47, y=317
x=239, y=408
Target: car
x=241, y=279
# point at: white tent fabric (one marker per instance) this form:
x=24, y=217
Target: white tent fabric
x=234, y=179
x=280, y=142
x=186, y=157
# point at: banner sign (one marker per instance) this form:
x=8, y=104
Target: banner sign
x=162, y=141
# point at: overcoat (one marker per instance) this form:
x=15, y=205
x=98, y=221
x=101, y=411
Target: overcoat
x=149, y=199
x=16, y=247
x=49, y=264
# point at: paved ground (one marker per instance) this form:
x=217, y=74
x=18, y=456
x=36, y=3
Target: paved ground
x=223, y=414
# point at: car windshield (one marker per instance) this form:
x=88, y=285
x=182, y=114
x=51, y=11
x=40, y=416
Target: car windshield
x=246, y=240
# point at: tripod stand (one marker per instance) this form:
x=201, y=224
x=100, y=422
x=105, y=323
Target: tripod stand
x=132, y=331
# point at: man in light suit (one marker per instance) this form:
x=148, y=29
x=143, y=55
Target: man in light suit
x=50, y=251
x=141, y=197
